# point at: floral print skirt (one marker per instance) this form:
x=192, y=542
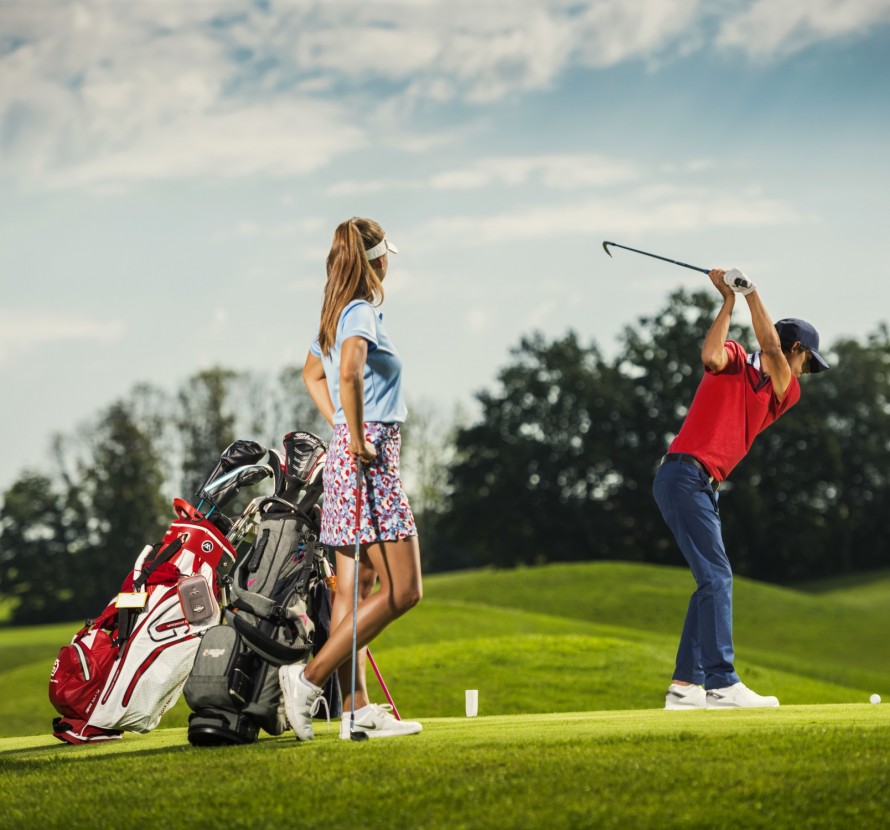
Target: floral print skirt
x=386, y=515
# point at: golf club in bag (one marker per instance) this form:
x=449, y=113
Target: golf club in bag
x=125, y=668
x=278, y=612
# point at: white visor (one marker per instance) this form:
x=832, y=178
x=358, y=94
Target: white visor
x=380, y=249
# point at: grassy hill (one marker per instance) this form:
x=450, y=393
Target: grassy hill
x=571, y=663
x=565, y=638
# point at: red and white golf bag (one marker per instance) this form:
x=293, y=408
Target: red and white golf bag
x=123, y=670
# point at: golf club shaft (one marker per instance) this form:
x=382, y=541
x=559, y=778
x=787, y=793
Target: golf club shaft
x=358, y=538
x=382, y=685
x=656, y=256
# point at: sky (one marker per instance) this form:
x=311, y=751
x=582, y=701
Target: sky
x=172, y=171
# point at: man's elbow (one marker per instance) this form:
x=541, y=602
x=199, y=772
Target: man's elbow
x=714, y=360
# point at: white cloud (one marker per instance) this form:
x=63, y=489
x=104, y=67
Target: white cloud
x=655, y=209
x=102, y=95
x=367, y=187
x=558, y=172
x=552, y=171
x=25, y=330
x=768, y=29
x=289, y=229
x=99, y=95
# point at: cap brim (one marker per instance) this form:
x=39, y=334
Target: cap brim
x=392, y=248
x=817, y=362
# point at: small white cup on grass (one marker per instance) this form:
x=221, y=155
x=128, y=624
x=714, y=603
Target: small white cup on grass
x=472, y=702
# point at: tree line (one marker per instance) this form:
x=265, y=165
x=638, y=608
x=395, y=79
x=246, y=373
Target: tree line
x=557, y=466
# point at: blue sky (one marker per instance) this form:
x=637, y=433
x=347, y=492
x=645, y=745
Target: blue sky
x=171, y=174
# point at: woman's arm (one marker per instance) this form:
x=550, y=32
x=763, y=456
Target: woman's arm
x=317, y=386
x=353, y=357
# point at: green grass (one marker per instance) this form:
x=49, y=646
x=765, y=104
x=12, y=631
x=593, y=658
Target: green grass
x=810, y=766
x=571, y=663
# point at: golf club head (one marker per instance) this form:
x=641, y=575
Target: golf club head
x=358, y=736
x=605, y=248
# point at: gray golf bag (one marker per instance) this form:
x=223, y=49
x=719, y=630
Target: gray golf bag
x=278, y=609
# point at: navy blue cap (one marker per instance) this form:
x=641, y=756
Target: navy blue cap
x=792, y=330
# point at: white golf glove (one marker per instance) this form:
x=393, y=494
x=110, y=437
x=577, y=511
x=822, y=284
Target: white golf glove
x=738, y=282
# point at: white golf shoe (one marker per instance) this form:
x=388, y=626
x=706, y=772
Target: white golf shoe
x=684, y=697
x=739, y=696
x=301, y=701
x=375, y=721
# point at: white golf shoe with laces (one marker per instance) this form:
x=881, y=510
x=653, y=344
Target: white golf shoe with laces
x=376, y=721
x=301, y=701
x=739, y=696
x=681, y=697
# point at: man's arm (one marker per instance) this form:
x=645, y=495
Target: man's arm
x=713, y=350
x=774, y=362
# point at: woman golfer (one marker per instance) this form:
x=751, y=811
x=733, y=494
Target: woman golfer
x=353, y=374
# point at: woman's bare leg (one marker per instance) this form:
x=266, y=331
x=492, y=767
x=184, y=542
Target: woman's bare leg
x=397, y=565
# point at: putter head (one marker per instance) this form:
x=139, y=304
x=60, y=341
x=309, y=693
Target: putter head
x=358, y=736
x=606, y=248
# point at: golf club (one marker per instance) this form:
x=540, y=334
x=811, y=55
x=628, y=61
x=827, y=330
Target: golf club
x=392, y=703
x=353, y=735
x=655, y=256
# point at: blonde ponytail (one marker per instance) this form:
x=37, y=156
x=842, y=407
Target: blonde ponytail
x=350, y=275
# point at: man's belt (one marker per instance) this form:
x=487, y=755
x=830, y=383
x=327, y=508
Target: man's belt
x=686, y=458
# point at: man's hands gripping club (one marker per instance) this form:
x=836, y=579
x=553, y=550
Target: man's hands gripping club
x=739, y=282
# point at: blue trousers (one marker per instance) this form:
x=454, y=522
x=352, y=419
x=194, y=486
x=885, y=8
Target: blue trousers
x=688, y=504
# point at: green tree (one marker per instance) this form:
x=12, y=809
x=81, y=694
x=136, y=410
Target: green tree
x=427, y=449
x=560, y=464
x=119, y=497
x=67, y=544
x=39, y=546
x=206, y=420
x=536, y=479
x=820, y=478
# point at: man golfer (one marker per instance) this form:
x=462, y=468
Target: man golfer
x=739, y=396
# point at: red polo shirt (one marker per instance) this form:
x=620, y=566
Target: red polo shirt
x=729, y=410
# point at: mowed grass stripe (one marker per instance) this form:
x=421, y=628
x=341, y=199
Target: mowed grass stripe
x=817, y=766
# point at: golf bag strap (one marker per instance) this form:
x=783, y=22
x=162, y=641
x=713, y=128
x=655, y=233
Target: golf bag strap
x=127, y=616
x=163, y=556
x=276, y=653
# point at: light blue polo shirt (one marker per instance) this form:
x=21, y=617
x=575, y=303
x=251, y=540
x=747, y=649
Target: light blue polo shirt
x=384, y=401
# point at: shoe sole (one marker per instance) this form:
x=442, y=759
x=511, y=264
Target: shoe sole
x=743, y=706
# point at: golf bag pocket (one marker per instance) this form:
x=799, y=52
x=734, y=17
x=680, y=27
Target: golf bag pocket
x=222, y=692
x=80, y=672
x=220, y=677
x=198, y=602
